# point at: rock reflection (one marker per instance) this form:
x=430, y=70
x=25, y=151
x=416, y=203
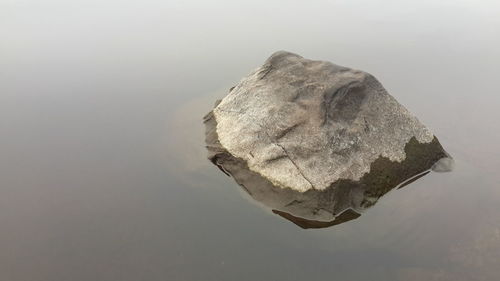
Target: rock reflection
x=345, y=200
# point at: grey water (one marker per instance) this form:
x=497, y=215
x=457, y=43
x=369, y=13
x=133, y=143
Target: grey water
x=103, y=169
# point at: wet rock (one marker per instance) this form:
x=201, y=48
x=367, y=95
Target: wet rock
x=342, y=201
x=313, y=140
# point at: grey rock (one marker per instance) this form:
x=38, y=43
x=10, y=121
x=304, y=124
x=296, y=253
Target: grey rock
x=344, y=200
x=306, y=125
x=444, y=165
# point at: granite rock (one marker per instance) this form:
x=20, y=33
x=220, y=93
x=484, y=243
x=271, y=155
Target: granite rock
x=345, y=199
x=305, y=125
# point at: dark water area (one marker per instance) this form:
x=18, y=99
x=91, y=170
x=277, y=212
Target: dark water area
x=104, y=173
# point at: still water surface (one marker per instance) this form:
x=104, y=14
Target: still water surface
x=103, y=170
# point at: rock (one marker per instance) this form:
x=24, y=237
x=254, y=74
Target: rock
x=444, y=165
x=342, y=201
x=311, y=139
x=305, y=124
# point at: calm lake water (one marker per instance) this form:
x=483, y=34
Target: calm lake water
x=103, y=170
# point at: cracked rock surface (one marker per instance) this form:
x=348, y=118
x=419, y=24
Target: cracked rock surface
x=305, y=125
x=345, y=199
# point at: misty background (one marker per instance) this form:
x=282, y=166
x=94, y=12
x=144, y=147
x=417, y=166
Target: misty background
x=103, y=174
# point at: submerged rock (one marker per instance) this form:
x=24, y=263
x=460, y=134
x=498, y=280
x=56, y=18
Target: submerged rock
x=312, y=139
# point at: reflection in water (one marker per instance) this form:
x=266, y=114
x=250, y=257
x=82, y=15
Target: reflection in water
x=345, y=200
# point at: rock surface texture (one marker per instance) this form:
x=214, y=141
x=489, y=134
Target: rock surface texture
x=306, y=125
x=316, y=142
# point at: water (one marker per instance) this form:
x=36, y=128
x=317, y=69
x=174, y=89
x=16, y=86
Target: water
x=104, y=173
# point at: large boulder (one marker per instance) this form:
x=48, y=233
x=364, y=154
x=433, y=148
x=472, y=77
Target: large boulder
x=322, y=137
